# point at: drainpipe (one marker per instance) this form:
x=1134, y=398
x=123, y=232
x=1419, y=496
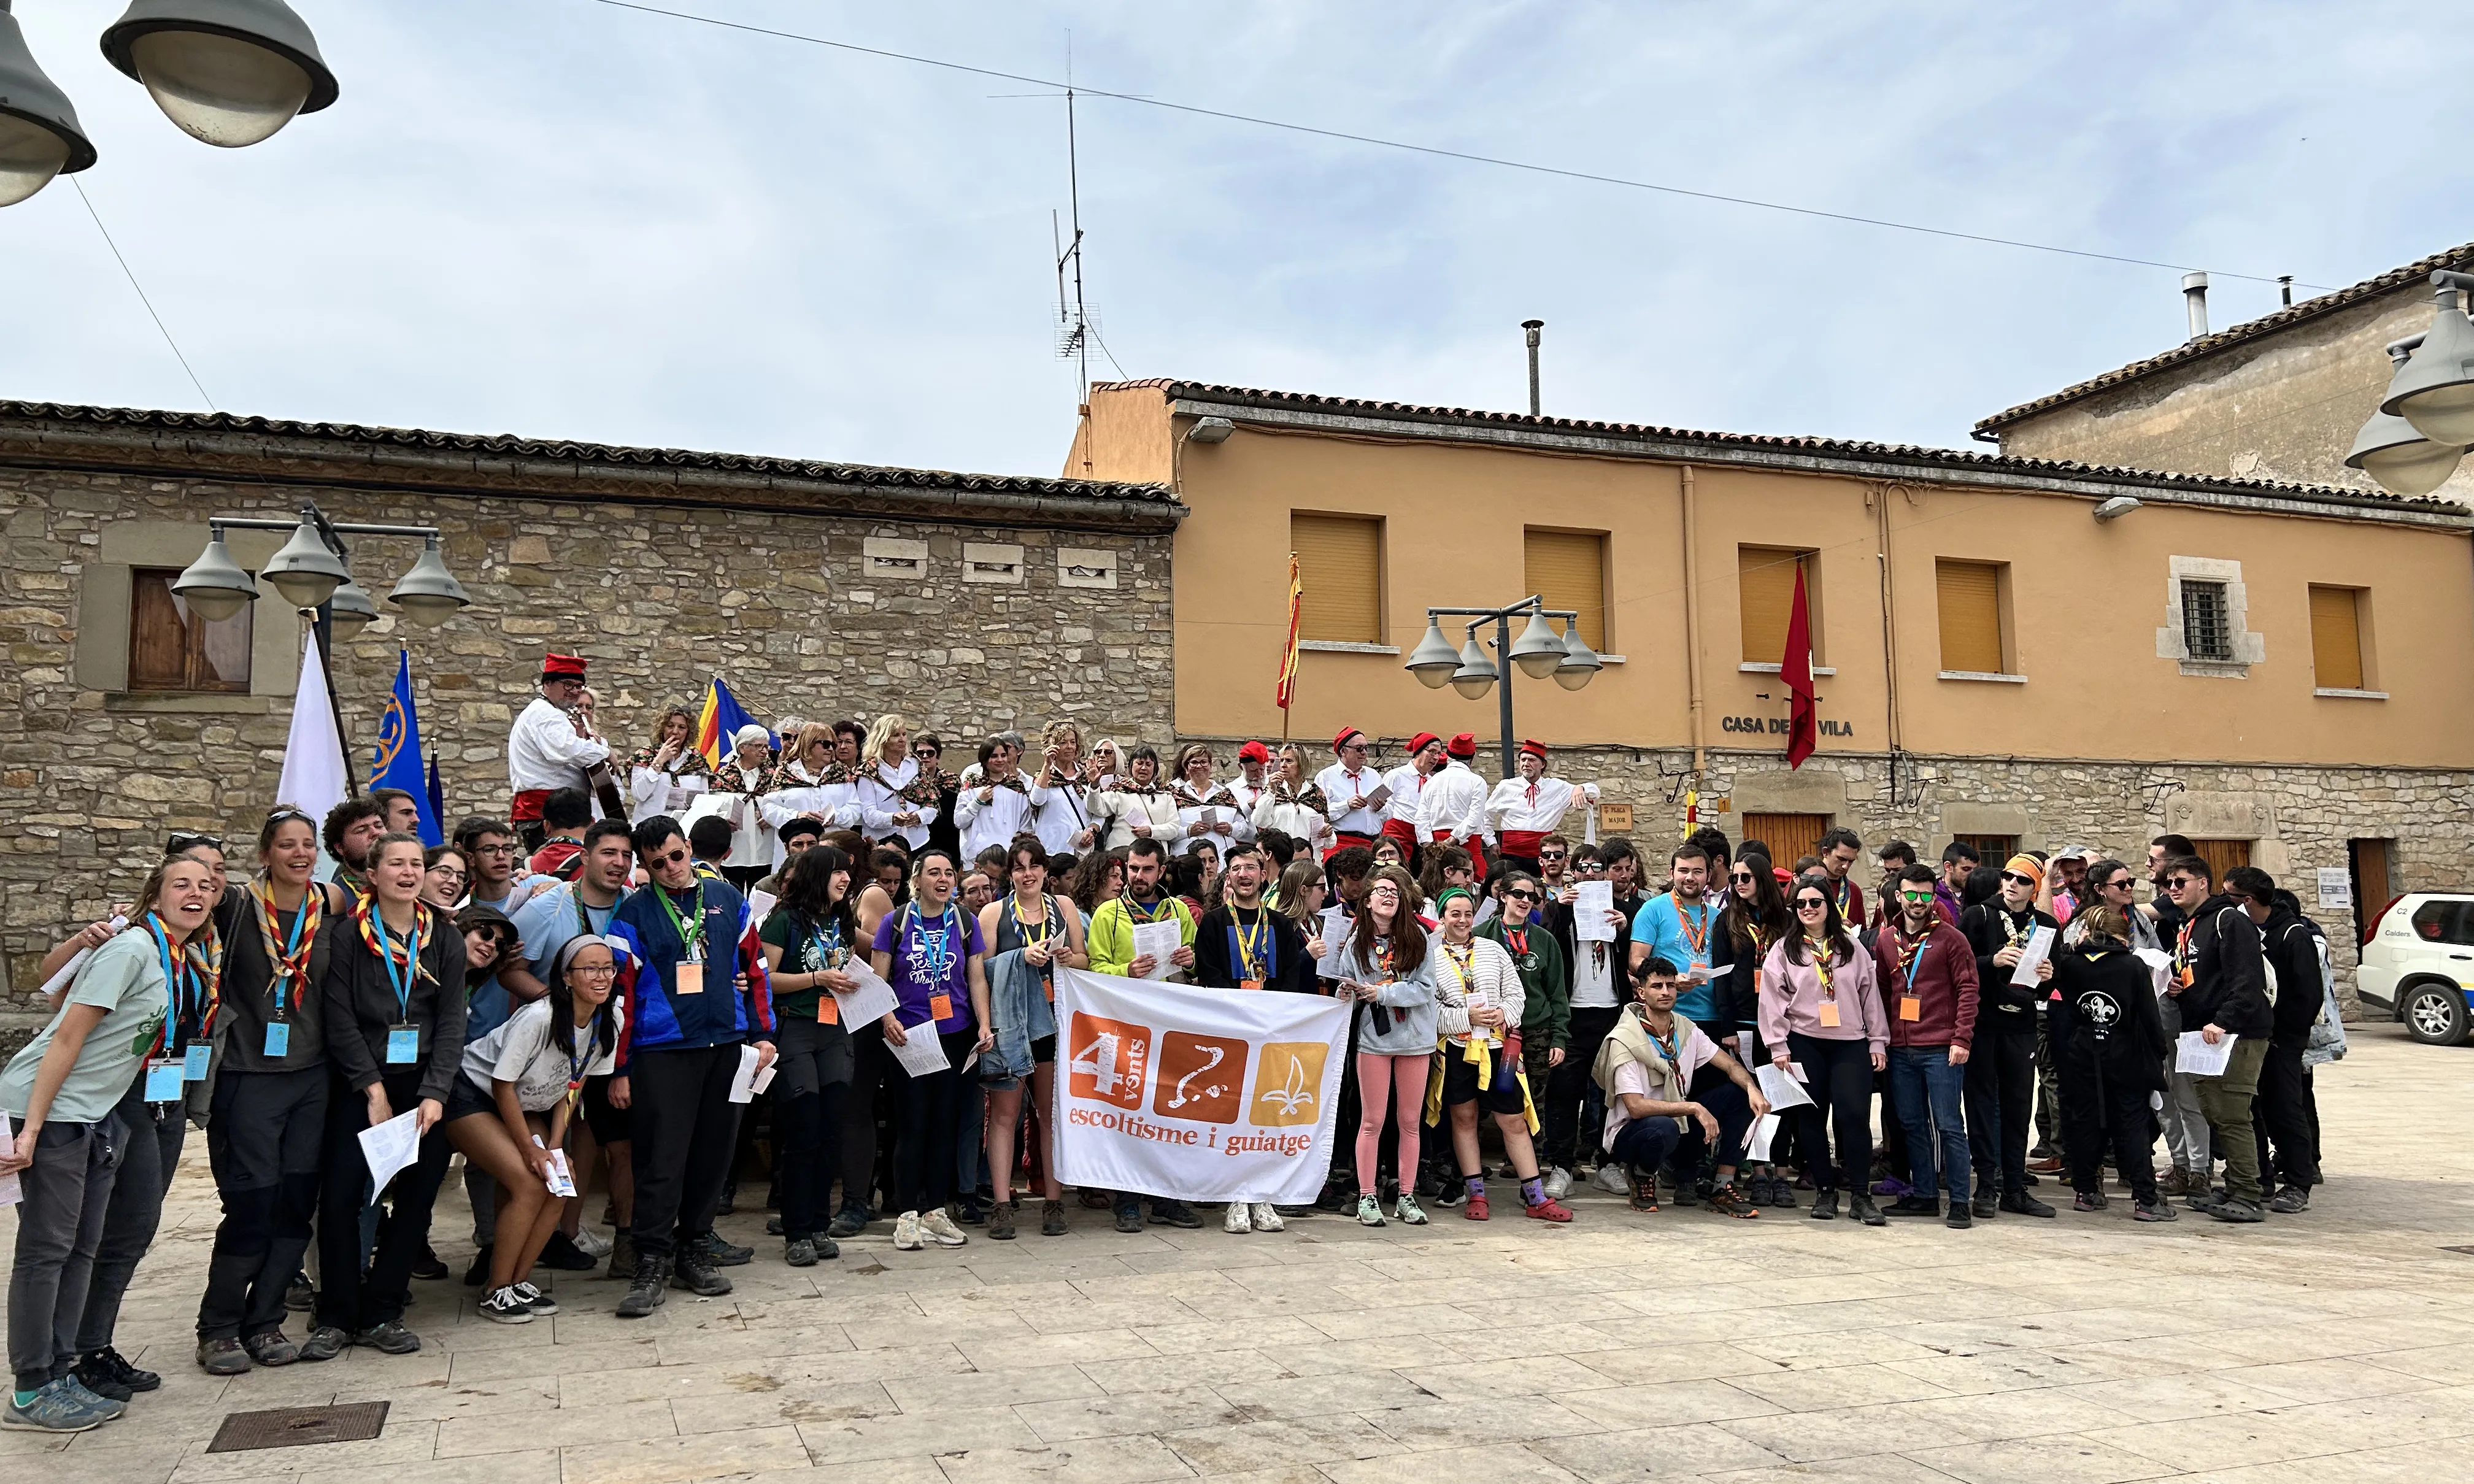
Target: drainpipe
x=1692, y=621
x=1889, y=630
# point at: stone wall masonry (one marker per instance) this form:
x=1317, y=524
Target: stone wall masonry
x=659, y=598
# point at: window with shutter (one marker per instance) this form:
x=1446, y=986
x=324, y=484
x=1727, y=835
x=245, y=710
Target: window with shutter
x=2336, y=639
x=1765, y=585
x=1340, y=564
x=1568, y=569
x=1970, y=594
x=171, y=647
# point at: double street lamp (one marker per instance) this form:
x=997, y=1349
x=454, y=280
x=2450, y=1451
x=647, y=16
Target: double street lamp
x=310, y=573
x=1538, y=653
x=230, y=72
x=2425, y=422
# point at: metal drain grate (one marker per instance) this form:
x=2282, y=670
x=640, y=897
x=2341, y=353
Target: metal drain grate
x=299, y=1426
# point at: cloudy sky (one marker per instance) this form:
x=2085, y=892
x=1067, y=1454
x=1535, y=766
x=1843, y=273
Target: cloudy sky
x=565, y=218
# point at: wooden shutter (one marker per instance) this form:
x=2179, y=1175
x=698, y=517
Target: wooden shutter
x=1971, y=616
x=1790, y=836
x=2336, y=638
x=1570, y=570
x=1765, y=582
x=172, y=649
x=1340, y=561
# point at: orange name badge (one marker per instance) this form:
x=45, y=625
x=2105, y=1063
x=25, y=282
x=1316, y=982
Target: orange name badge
x=941, y=1007
x=1249, y=983
x=828, y=1011
x=1911, y=1008
x=688, y=978
x=1829, y=1014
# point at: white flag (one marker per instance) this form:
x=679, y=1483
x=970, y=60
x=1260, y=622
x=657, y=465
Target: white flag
x=313, y=755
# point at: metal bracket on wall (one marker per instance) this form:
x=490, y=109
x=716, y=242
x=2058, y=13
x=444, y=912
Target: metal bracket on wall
x=2155, y=791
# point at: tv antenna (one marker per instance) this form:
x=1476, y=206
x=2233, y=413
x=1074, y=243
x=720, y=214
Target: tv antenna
x=1074, y=321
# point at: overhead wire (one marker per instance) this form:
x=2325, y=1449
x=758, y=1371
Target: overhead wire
x=126, y=272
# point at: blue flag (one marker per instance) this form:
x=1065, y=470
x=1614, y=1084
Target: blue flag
x=437, y=792
x=397, y=764
x=717, y=725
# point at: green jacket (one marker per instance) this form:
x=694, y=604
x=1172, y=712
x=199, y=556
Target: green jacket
x=1545, y=986
x=1110, y=941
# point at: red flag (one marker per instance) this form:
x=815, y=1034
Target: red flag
x=1803, y=726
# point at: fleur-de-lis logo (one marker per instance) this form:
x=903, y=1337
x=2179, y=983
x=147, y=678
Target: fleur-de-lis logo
x=1294, y=1094
x=1287, y=1085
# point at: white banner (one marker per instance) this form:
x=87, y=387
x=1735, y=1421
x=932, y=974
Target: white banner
x=1196, y=1094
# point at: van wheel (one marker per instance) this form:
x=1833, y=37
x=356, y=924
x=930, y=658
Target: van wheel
x=2435, y=1013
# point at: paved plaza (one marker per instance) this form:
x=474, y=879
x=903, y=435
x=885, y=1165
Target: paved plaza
x=2328, y=1347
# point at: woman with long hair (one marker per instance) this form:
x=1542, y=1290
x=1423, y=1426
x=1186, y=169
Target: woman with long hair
x=1029, y=933
x=1480, y=991
x=664, y=775
x=394, y=988
x=1754, y=919
x=808, y=939
x=896, y=797
x=1821, y=1007
x=508, y=1112
x=1384, y=968
x=1100, y=877
x=267, y=1124
x=1444, y=868
x=932, y=953
x=129, y=1015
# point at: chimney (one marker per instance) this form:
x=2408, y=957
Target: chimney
x=1532, y=326
x=2194, y=298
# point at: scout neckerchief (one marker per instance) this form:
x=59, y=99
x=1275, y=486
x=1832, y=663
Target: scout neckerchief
x=936, y=948
x=182, y=991
x=689, y=927
x=1843, y=893
x=290, y=979
x=1822, y=952
x=1517, y=940
x=1910, y=955
x=404, y=956
x=1695, y=938
x=1668, y=1046
x=1253, y=943
x=2016, y=929
x=1142, y=914
x=204, y=952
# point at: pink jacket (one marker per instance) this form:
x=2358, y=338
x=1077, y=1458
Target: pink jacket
x=1791, y=1000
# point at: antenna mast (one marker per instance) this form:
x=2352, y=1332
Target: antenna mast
x=1073, y=344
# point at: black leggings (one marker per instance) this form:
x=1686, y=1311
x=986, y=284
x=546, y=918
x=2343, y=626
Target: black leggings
x=810, y=1153
x=1838, y=1075
x=2001, y=1086
x=2101, y=1114
x=927, y=1155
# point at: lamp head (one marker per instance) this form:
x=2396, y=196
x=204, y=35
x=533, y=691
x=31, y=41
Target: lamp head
x=1434, y=660
x=2403, y=461
x=348, y=610
x=428, y=593
x=1475, y=675
x=1581, y=663
x=40, y=134
x=1538, y=650
x=304, y=573
x=228, y=72
x=2433, y=390
x=214, y=585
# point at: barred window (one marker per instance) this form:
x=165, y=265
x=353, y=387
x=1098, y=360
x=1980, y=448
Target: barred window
x=2207, y=627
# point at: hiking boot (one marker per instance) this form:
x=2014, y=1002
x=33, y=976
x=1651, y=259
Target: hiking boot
x=1860, y=1207
x=1267, y=1217
x=1959, y=1219
x=1129, y=1220
x=622, y=1257
x=2019, y=1203
x=1238, y=1221
x=695, y=1273
x=1728, y=1200
x=325, y=1342
x=428, y=1266
x=561, y=1255
x=223, y=1357
x=1370, y=1210
x=1000, y=1222
x=719, y=1253
x=645, y=1292
x=1052, y=1218
x=2089, y=1200
x=1914, y=1205
x=2154, y=1211
x=938, y=1227
x=2234, y=1208
x=271, y=1347
x=1984, y=1204
x=107, y=1374
x=2174, y=1181
x=1643, y=1187
x=799, y=1252
x=2289, y=1200
x=1825, y=1205
x=390, y=1338
x=55, y=1408
x=849, y=1222
x=506, y=1306
x=774, y=1226
x=1173, y=1213
x=1686, y=1193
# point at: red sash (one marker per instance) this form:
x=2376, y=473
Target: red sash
x=528, y=805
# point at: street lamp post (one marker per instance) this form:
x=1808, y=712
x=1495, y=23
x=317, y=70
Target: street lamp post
x=1538, y=653
x=2425, y=420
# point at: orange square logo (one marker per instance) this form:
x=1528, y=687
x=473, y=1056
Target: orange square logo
x=1201, y=1077
x=1287, y=1085
x=1109, y=1061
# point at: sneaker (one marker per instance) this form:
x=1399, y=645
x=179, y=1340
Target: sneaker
x=695, y=1272
x=479, y=1272
x=106, y=1375
x=561, y=1255
x=799, y=1252
x=1129, y=1219
x=1549, y=1209
x=2089, y=1200
x=1370, y=1210
x=108, y=1408
x=271, y=1347
x=719, y=1253
x=2154, y=1211
x=1687, y=1192
x=773, y=1226
x=969, y=1211
x=729, y=1199
x=1000, y=1222
x=390, y=1338
x=54, y=1409
x=226, y=1356
x=1477, y=1210
x=1052, y=1218
x=1451, y=1195
x=1860, y=1207
x=1914, y=1205
x=2049, y=1164
x=1984, y=1204
x=1559, y=1182
x=506, y=1306
x=2044, y=1150
x=1173, y=1213
x=428, y=1265
x=2019, y=1203
x=2236, y=1209
x=1610, y=1178
x=1267, y=1217
x=645, y=1292
x=298, y=1295
x=1406, y=1210
x=535, y=1300
x=1728, y=1200
x=590, y=1241
x=849, y=1222
x=1644, y=1192
x=940, y=1227
x=1238, y=1221
x=2289, y=1200
x=325, y=1342
x=1959, y=1219
x=1825, y=1205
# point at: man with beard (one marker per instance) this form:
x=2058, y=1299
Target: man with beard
x=1928, y=973
x=350, y=828
x=552, y=745
x=1110, y=943
x=1242, y=944
x=1524, y=811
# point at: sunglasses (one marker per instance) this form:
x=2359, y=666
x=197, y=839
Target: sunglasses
x=2025, y=880
x=190, y=839
x=1520, y=896
x=2181, y=883
x=1916, y=896
x=1812, y=904
x=1740, y=877
x=672, y=858
x=1545, y=855
x=2118, y=884
x=1591, y=868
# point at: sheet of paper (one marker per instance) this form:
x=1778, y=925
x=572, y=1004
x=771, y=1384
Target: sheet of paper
x=743, y=1082
x=2194, y=1056
x=2336, y=887
x=10, y=1194
x=760, y=904
x=1756, y=1144
x=870, y=998
x=1156, y=941
x=1592, y=902
x=2040, y=946
x=764, y=1078
x=2160, y=967
x=1744, y=1047
x=1781, y=1089
x=1335, y=933
x=922, y=1054
x=389, y=1147
x=77, y=961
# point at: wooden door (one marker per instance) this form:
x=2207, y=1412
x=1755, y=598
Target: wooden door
x=2368, y=859
x=2222, y=855
x=1790, y=836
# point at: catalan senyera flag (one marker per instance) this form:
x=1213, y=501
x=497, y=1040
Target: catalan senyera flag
x=719, y=722
x=1289, y=655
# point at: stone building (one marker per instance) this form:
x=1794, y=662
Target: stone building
x=2013, y=651
x=972, y=603
x=2277, y=397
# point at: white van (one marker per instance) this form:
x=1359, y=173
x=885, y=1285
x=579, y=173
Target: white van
x=2418, y=965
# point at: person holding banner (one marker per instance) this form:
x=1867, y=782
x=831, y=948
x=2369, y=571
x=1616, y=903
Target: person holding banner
x=1242, y=944
x=931, y=955
x=1030, y=933
x=1478, y=987
x=808, y=939
x=1113, y=951
x=1384, y=967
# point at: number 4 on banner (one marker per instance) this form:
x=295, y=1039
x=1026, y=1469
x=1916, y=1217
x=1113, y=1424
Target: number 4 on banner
x=1111, y=1060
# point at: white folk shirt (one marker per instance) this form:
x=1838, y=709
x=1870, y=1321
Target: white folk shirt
x=1339, y=785
x=1407, y=787
x=1223, y=806
x=995, y=822
x=1060, y=813
x=1453, y=807
x=1305, y=823
x=1537, y=808
x=796, y=791
x=1128, y=805
x=545, y=752
x=879, y=793
x=662, y=790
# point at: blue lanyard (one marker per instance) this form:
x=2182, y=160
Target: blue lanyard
x=283, y=981
x=827, y=947
x=939, y=952
x=402, y=983
x=177, y=983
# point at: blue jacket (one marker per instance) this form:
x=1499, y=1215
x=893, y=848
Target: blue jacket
x=658, y=1017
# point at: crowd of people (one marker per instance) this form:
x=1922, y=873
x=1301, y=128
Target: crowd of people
x=575, y=1001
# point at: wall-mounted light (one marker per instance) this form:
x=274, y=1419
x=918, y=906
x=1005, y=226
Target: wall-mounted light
x=2116, y=508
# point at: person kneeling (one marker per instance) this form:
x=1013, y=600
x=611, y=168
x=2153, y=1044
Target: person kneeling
x=508, y=1114
x=1670, y=1091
